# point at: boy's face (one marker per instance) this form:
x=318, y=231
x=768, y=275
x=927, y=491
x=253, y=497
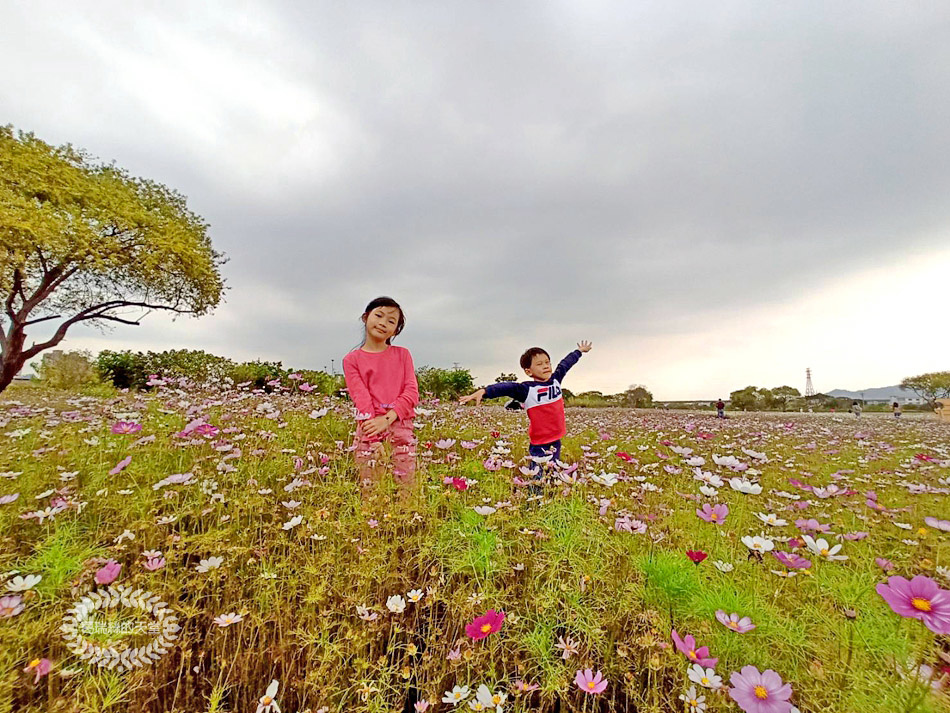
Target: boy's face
x=540, y=369
x=381, y=322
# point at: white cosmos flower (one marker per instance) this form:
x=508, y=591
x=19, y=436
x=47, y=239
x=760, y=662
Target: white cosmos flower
x=723, y=566
x=771, y=519
x=208, y=564
x=758, y=543
x=604, y=478
x=488, y=699
x=705, y=677
x=706, y=490
x=396, y=604
x=21, y=584
x=456, y=695
x=484, y=509
x=414, y=595
x=744, y=486
x=292, y=522
x=820, y=548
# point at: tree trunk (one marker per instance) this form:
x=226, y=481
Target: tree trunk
x=12, y=359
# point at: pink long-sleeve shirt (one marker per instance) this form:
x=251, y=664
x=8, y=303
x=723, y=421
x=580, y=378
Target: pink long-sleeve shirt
x=379, y=381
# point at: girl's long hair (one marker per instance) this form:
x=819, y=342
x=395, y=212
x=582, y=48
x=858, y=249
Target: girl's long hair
x=382, y=302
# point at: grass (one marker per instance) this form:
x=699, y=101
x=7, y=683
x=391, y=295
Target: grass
x=558, y=567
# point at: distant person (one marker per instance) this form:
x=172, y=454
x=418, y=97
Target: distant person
x=856, y=409
x=542, y=400
x=720, y=409
x=382, y=384
x=897, y=409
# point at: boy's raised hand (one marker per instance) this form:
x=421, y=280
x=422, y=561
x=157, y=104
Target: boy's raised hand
x=584, y=346
x=477, y=396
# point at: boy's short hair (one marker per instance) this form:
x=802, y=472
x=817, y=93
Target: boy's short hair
x=529, y=356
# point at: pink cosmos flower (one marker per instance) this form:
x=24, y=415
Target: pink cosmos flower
x=589, y=682
x=460, y=483
x=811, y=525
x=687, y=647
x=740, y=626
x=120, y=465
x=10, y=605
x=486, y=624
x=40, y=667
x=792, y=560
x=919, y=598
x=124, y=427
x=937, y=524
x=522, y=687
x=154, y=563
x=715, y=513
x=757, y=692
x=884, y=564
x=108, y=572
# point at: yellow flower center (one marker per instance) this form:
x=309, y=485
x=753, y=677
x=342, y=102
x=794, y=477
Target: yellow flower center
x=714, y=516
x=34, y=663
x=486, y=628
x=761, y=692
x=496, y=699
x=590, y=684
x=692, y=654
x=732, y=625
x=704, y=680
x=267, y=700
x=824, y=552
x=457, y=696
x=921, y=604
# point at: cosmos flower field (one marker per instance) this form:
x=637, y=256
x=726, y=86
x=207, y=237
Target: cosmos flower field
x=674, y=562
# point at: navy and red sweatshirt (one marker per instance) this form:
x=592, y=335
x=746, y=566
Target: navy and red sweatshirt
x=542, y=400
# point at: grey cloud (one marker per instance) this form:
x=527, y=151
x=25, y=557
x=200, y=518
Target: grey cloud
x=512, y=171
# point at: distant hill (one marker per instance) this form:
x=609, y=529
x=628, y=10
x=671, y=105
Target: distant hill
x=877, y=394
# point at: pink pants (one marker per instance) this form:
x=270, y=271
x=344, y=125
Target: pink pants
x=369, y=454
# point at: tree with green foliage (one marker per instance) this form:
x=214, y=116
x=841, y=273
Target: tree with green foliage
x=444, y=383
x=86, y=242
x=930, y=387
x=637, y=396
x=780, y=396
x=501, y=378
x=745, y=399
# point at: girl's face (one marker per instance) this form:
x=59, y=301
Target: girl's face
x=381, y=323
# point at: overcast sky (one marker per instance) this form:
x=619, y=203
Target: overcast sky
x=715, y=194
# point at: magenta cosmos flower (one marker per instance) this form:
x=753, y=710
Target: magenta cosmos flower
x=487, y=623
x=732, y=621
x=919, y=598
x=715, y=513
x=124, y=427
x=687, y=647
x=792, y=560
x=760, y=692
x=590, y=682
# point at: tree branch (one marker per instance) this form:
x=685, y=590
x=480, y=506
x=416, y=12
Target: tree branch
x=41, y=319
x=92, y=313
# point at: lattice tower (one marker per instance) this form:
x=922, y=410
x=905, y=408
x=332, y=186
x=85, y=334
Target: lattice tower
x=809, y=389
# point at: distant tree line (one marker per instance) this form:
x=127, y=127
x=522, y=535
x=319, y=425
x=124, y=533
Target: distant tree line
x=133, y=370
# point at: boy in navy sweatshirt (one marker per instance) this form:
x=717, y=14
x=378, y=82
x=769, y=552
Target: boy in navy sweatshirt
x=541, y=398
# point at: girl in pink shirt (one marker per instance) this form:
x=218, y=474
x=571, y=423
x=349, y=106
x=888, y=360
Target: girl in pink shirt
x=381, y=381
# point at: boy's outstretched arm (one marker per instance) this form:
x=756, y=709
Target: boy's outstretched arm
x=570, y=360
x=510, y=389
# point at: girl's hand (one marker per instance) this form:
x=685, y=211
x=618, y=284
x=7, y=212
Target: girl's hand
x=584, y=346
x=375, y=426
x=477, y=396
